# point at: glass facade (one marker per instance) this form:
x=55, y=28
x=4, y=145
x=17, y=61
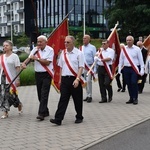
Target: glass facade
x=51, y=12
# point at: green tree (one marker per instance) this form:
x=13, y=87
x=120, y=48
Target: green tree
x=21, y=40
x=133, y=16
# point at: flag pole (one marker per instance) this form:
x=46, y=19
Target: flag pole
x=83, y=17
x=113, y=30
x=60, y=23
x=101, y=51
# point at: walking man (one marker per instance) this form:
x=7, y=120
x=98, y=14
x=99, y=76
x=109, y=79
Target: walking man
x=89, y=52
x=104, y=59
x=71, y=63
x=131, y=59
x=43, y=66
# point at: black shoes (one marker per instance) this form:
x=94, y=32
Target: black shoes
x=119, y=90
x=134, y=102
x=103, y=101
x=129, y=102
x=40, y=117
x=78, y=121
x=55, y=121
x=88, y=99
x=85, y=99
x=110, y=99
x=59, y=122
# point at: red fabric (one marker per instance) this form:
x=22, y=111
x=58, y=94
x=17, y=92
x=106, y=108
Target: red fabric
x=114, y=43
x=56, y=41
x=6, y=73
x=146, y=42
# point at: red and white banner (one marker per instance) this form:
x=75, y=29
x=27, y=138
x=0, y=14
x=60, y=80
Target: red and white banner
x=114, y=43
x=56, y=41
x=146, y=42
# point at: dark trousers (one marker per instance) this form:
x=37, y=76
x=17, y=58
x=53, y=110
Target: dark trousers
x=104, y=83
x=43, y=83
x=66, y=90
x=141, y=85
x=118, y=81
x=131, y=79
x=119, y=84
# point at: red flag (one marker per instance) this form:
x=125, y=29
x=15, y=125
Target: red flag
x=56, y=40
x=146, y=42
x=114, y=43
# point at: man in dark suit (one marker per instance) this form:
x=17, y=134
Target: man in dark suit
x=142, y=78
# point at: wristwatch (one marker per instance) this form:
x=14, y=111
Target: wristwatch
x=38, y=59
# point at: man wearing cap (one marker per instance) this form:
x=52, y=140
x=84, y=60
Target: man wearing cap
x=104, y=59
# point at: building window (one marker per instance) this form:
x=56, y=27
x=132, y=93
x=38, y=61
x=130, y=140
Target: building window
x=76, y=2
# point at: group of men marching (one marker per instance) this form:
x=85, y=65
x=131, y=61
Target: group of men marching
x=80, y=66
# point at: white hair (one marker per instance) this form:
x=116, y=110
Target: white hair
x=42, y=37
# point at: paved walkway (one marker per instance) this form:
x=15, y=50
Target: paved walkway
x=101, y=121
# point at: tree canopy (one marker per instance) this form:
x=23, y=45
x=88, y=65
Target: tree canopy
x=133, y=17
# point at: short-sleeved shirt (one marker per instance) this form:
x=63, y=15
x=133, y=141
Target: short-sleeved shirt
x=48, y=54
x=76, y=58
x=12, y=62
x=89, y=52
x=136, y=55
x=108, y=53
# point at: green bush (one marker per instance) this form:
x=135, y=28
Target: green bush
x=27, y=76
x=23, y=56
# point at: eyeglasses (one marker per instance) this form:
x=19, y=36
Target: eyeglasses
x=66, y=42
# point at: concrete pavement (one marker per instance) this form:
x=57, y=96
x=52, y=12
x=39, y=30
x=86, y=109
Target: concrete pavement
x=101, y=121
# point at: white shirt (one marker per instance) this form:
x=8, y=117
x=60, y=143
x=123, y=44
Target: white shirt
x=108, y=53
x=133, y=52
x=76, y=59
x=48, y=54
x=12, y=62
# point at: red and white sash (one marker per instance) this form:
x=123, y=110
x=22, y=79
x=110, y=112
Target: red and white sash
x=106, y=65
x=71, y=68
x=129, y=58
x=87, y=67
x=7, y=72
x=50, y=71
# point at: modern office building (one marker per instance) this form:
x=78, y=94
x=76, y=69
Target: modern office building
x=51, y=12
x=36, y=17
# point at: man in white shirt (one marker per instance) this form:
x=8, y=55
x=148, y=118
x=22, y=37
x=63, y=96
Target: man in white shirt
x=43, y=66
x=104, y=60
x=132, y=62
x=71, y=64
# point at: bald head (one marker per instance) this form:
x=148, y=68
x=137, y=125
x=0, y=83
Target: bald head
x=86, y=39
x=139, y=44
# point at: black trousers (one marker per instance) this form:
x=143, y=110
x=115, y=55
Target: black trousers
x=43, y=83
x=104, y=83
x=66, y=90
